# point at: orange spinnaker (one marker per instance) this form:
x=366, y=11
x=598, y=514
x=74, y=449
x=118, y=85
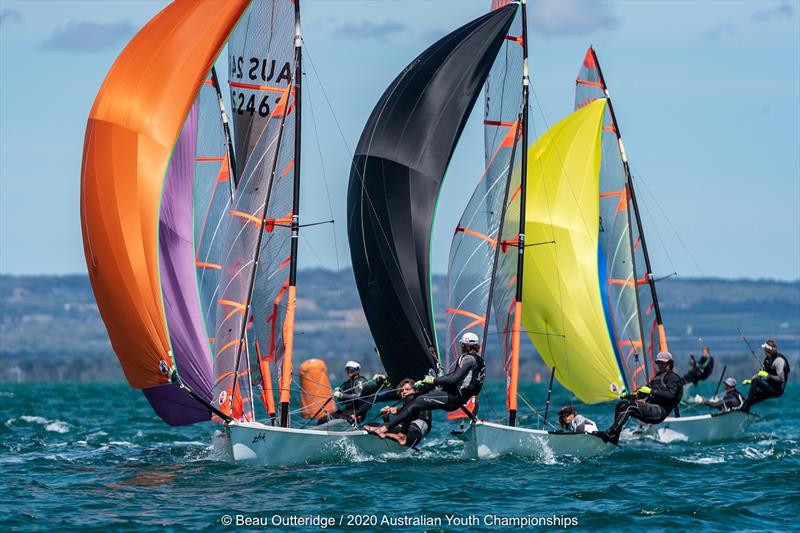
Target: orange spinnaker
x=132, y=129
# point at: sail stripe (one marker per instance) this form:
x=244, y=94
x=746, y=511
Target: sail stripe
x=590, y=83
x=256, y=87
x=492, y=242
x=202, y=264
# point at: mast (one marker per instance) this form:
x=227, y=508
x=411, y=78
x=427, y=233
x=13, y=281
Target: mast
x=286, y=368
x=662, y=337
x=515, y=332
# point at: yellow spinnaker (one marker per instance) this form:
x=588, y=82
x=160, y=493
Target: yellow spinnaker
x=562, y=302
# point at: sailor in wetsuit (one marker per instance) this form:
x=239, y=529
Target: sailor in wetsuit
x=700, y=370
x=652, y=403
x=770, y=382
x=412, y=431
x=732, y=400
x=356, y=395
x=451, y=391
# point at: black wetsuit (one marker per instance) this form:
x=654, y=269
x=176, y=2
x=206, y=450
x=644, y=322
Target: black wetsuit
x=700, y=371
x=770, y=387
x=732, y=401
x=414, y=430
x=451, y=392
x=667, y=388
x=358, y=396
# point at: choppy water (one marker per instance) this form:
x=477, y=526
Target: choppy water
x=95, y=458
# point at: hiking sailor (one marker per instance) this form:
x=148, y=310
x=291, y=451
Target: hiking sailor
x=732, y=400
x=412, y=431
x=770, y=381
x=700, y=370
x=451, y=391
x=652, y=403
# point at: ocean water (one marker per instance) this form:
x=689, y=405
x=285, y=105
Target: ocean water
x=95, y=458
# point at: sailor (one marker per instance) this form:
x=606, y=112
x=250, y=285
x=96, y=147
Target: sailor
x=570, y=420
x=412, y=431
x=732, y=400
x=356, y=394
x=652, y=403
x=451, y=391
x=700, y=370
x=770, y=381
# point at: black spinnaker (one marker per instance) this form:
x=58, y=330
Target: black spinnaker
x=398, y=168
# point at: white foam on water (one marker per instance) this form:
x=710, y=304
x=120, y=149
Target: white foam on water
x=34, y=419
x=702, y=460
x=667, y=435
x=754, y=453
x=56, y=426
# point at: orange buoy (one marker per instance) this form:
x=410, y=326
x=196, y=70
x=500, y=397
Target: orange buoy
x=537, y=378
x=315, y=389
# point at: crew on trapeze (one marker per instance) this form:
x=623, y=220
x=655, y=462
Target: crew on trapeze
x=449, y=392
x=652, y=403
x=699, y=370
x=770, y=381
x=732, y=400
x=570, y=420
x=412, y=431
x=356, y=395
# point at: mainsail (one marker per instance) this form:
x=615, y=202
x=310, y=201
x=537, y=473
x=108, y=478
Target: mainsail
x=256, y=297
x=213, y=188
x=477, y=245
x=397, y=170
x=630, y=300
x=133, y=127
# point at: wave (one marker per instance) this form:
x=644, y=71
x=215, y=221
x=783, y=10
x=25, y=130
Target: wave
x=55, y=426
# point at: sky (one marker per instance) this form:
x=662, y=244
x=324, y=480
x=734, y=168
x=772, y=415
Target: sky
x=707, y=95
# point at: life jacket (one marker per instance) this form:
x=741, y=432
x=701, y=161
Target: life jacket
x=728, y=399
x=659, y=383
x=473, y=382
x=768, y=366
x=707, y=368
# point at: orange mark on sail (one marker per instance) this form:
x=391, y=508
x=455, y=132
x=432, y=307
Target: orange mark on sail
x=492, y=242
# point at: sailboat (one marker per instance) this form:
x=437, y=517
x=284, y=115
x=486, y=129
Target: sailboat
x=191, y=224
x=489, y=275
x=395, y=179
x=636, y=315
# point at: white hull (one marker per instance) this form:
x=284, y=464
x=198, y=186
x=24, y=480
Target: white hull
x=270, y=445
x=702, y=428
x=486, y=440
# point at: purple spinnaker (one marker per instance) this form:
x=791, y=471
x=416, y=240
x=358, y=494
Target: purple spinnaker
x=187, y=333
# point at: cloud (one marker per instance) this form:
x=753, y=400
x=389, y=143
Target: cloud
x=785, y=10
x=84, y=36
x=717, y=32
x=7, y=16
x=368, y=30
x=566, y=19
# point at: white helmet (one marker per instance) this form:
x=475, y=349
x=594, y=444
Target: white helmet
x=352, y=365
x=730, y=382
x=470, y=339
